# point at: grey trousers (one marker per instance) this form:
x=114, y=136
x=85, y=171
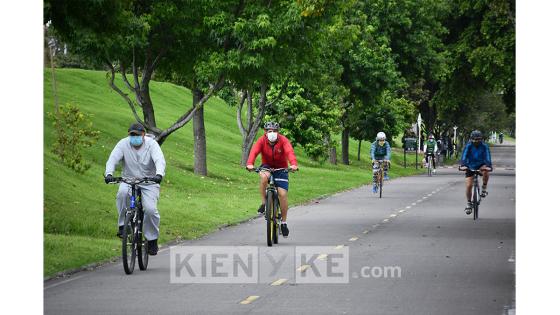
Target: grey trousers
x=150, y=197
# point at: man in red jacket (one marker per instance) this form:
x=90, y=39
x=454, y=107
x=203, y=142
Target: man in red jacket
x=276, y=150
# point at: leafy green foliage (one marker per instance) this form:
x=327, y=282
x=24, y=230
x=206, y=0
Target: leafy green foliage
x=305, y=118
x=391, y=114
x=74, y=132
x=481, y=41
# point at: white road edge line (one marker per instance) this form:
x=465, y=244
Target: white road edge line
x=64, y=281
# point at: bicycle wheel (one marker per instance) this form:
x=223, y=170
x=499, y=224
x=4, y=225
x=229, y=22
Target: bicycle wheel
x=380, y=181
x=374, y=179
x=142, y=245
x=430, y=165
x=476, y=202
x=277, y=218
x=128, y=244
x=269, y=212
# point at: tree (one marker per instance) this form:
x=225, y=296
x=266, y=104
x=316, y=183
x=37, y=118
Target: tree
x=281, y=42
x=369, y=66
x=481, y=43
x=391, y=114
x=131, y=37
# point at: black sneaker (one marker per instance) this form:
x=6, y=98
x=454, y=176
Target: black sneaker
x=261, y=209
x=284, y=229
x=152, y=247
x=119, y=232
x=468, y=209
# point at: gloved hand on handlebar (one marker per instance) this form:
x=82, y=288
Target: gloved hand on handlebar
x=158, y=178
x=109, y=179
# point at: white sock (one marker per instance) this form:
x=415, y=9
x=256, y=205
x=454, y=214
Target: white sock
x=283, y=222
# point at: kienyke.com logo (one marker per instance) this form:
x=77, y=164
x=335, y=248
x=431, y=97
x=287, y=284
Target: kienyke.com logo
x=253, y=264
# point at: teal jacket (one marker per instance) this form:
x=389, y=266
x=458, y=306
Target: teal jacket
x=378, y=152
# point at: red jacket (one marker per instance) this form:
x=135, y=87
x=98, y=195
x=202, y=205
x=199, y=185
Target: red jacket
x=276, y=156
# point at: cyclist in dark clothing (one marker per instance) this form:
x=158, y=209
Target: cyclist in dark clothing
x=476, y=156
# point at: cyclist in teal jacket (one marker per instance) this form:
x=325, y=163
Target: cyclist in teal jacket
x=476, y=156
x=380, y=151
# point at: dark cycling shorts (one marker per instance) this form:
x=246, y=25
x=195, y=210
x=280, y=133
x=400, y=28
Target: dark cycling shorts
x=470, y=173
x=280, y=178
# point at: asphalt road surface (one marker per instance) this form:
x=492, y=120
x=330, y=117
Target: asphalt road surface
x=414, y=251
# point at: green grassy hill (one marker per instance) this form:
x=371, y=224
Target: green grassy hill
x=79, y=209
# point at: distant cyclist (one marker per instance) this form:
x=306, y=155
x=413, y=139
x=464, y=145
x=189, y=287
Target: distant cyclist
x=430, y=149
x=380, y=152
x=275, y=150
x=141, y=156
x=476, y=156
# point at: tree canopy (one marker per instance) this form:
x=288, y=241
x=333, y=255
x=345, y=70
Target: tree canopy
x=322, y=68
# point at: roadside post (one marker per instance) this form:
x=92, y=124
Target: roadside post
x=455, y=140
x=419, y=126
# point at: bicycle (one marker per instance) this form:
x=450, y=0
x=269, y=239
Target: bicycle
x=378, y=181
x=430, y=164
x=272, y=205
x=134, y=243
x=476, y=198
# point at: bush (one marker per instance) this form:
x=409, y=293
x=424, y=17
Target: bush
x=74, y=131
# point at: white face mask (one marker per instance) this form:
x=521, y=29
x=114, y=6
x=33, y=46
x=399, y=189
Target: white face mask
x=272, y=136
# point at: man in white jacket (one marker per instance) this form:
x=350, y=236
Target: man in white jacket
x=141, y=157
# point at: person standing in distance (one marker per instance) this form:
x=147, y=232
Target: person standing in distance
x=275, y=150
x=141, y=157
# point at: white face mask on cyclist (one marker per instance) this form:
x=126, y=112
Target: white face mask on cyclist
x=272, y=136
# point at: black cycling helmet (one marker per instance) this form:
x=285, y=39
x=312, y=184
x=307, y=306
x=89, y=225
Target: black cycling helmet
x=476, y=134
x=271, y=125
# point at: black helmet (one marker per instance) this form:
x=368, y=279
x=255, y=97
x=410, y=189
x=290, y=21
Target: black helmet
x=271, y=125
x=476, y=134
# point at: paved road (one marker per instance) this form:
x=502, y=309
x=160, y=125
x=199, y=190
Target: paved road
x=449, y=263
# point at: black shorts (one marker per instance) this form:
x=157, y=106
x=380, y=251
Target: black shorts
x=470, y=173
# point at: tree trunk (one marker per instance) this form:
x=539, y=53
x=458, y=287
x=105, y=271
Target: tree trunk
x=147, y=107
x=344, y=145
x=199, y=136
x=332, y=149
x=253, y=120
x=245, y=150
x=332, y=155
x=359, y=148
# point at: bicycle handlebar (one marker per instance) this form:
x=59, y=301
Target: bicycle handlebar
x=134, y=180
x=284, y=169
x=464, y=169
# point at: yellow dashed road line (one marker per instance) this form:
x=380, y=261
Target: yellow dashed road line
x=279, y=281
x=249, y=299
